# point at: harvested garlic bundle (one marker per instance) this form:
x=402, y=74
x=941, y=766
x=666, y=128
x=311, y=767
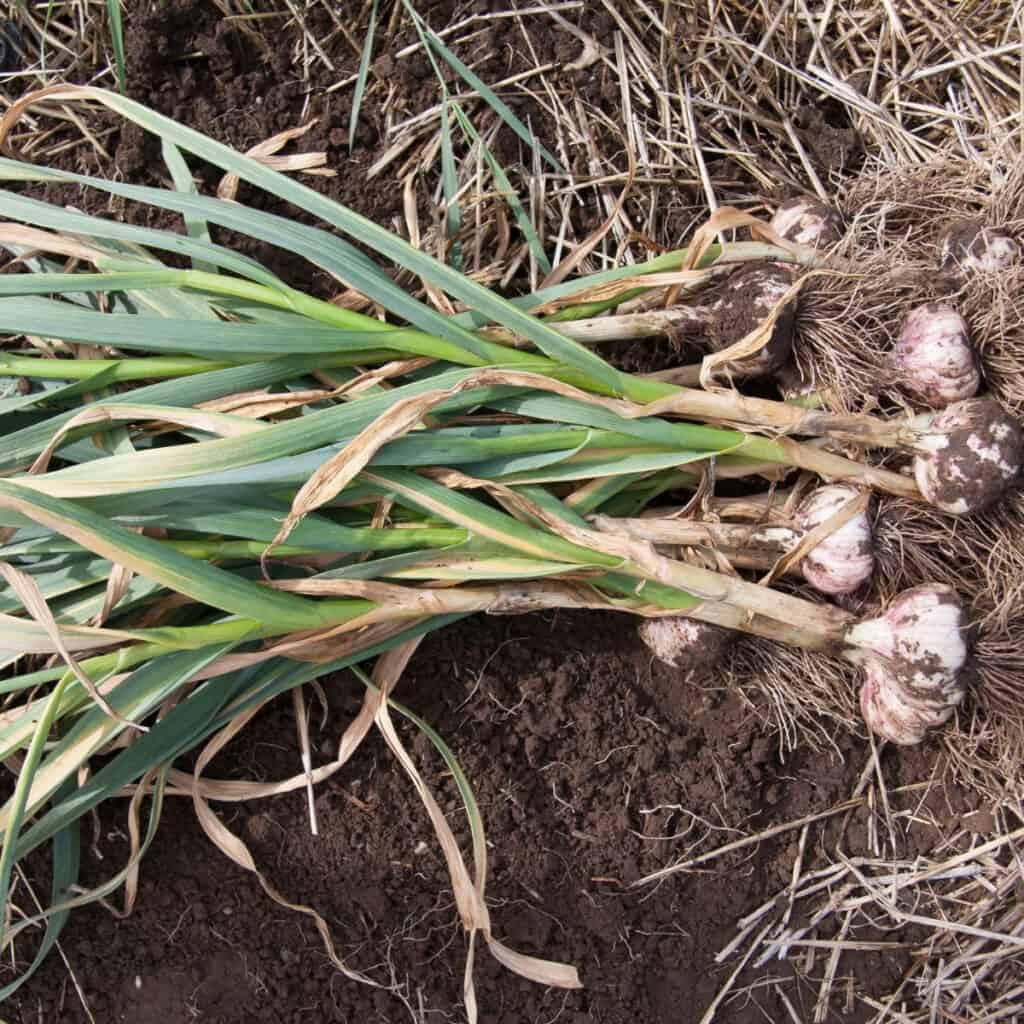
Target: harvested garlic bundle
x=808, y=221
x=914, y=656
x=933, y=359
x=716, y=318
x=968, y=247
x=846, y=557
x=968, y=455
x=692, y=647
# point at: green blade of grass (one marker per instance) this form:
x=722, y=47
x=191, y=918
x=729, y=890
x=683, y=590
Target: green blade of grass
x=208, y=708
x=22, y=446
x=179, y=730
x=486, y=92
x=319, y=247
x=57, y=218
x=16, y=731
x=597, y=496
x=62, y=900
x=65, y=867
x=508, y=193
x=583, y=465
x=106, y=372
x=117, y=42
x=32, y=314
x=92, y=382
x=450, y=184
x=17, y=803
x=181, y=175
x=55, y=579
x=664, y=433
x=361, y=76
x=165, y=466
x=481, y=520
x=134, y=698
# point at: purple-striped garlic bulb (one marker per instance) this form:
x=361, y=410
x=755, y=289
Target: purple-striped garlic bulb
x=845, y=559
x=914, y=656
x=933, y=359
x=968, y=455
x=683, y=643
x=968, y=247
x=808, y=221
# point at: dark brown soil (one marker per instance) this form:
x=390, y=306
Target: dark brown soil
x=591, y=765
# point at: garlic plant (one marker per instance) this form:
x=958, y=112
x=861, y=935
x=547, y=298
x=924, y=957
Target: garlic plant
x=277, y=535
x=716, y=318
x=840, y=562
x=913, y=656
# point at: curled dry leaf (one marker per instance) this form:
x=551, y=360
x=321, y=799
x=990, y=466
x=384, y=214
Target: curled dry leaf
x=28, y=592
x=311, y=163
x=232, y=847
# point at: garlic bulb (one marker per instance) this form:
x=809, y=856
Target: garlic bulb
x=914, y=655
x=748, y=297
x=808, y=221
x=968, y=247
x=933, y=359
x=968, y=455
x=692, y=647
x=890, y=714
x=846, y=557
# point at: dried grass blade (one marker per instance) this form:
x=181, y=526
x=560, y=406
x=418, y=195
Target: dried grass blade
x=35, y=604
x=228, y=187
x=232, y=847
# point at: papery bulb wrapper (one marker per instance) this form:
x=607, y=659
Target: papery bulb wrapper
x=887, y=714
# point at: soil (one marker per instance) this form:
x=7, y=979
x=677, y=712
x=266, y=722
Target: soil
x=592, y=765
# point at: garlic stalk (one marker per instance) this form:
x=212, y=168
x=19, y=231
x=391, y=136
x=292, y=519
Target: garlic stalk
x=729, y=312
